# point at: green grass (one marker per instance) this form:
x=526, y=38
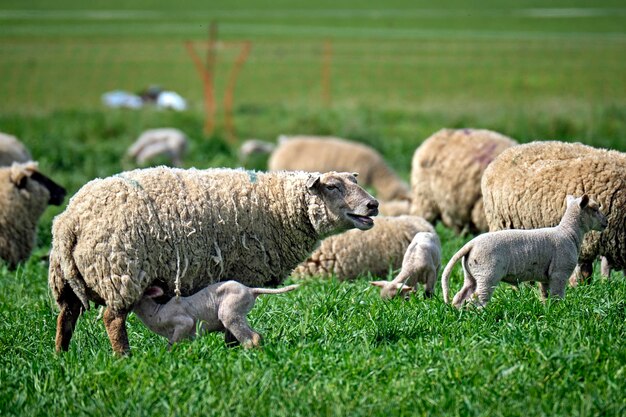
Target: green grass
x=399, y=72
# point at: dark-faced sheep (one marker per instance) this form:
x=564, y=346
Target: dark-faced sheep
x=184, y=229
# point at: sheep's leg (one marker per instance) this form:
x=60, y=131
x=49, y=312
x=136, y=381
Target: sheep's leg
x=605, y=268
x=469, y=287
x=484, y=290
x=71, y=308
x=430, y=284
x=242, y=331
x=184, y=327
x=582, y=274
x=115, y=323
x=543, y=288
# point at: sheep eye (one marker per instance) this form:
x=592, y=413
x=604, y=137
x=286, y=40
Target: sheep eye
x=331, y=187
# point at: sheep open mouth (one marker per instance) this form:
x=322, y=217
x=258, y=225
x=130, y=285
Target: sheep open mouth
x=361, y=222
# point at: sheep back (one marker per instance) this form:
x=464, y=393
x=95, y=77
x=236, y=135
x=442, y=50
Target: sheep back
x=12, y=150
x=354, y=253
x=446, y=172
x=525, y=188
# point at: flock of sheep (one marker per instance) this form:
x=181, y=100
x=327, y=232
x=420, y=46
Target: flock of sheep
x=182, y=236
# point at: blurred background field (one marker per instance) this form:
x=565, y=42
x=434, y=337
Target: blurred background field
x=386, y=74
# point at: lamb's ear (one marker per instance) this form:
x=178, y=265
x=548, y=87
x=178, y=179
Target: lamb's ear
x=584, y=201
x=313, y=181
x=380, y=284
x=406, y=289
x=153, y=292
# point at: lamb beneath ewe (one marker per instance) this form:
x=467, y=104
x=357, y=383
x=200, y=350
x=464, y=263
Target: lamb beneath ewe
x=421, y=263
x=546, y=255
x=222, y=306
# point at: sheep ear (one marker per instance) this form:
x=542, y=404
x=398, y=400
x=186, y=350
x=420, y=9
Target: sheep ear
x=569, y=199
x=406, y=289
x=355, y=174
x=380, y=284
x=584, y=201
x=313, y=181
x=153, y=292
x=19, y=174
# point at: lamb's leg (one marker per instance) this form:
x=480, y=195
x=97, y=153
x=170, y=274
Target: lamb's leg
x=469, y=287
x=582, y=274
x=242, y=331
x=115, y=323
x=71, y=308
x=557, y=285
x=430, y=284
x=484, y=290
x=184, y=328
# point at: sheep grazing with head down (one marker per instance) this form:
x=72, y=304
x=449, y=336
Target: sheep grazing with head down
x=420, y=264
x=165, y=142
x=12, y=150
x=184, y=229
x=546, y=255
x=320, y=153
x=525, y=186
x=355, y=253
x=445, y=176
x=24, y=195
x=222, y=306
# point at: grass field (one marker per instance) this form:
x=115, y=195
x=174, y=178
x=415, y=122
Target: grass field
x=399, y=72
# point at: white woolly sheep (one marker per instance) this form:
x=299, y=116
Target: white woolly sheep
x=394, y=207
x=24, y=195
x=222, y=306
x=184, y=229
x=12, y=150
x=547, y=255
x=525, y=186
x=445, y=176
x=420, y=264
x=318, y=153
x=166, y=142
x=355, y=253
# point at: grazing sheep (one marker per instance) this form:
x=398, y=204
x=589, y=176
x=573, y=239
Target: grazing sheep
x=222, y=306
x=313, y=153
x=253, y=148
x=546, y=255
x=421, y=264
x=185, y=229
x=394, y=207
x=355, y=253
x=167, y=142
x=445, y=176
x=12, y=150
x=24, y=195
x=525, y=186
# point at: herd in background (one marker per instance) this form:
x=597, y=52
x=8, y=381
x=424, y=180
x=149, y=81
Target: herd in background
x=192, y=228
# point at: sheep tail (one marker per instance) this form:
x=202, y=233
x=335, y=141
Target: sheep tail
x=446, y=272
x=259, y=291
x=63, y=270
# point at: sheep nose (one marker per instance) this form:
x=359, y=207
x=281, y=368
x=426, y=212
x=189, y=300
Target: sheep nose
x=372, y=205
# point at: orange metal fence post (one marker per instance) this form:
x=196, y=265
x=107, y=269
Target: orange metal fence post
x=230, y=88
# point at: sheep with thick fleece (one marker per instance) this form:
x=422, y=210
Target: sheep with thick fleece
x=547, y=255
x=445, y=176
x=355, y=253
x=167, y=142
x=525, y=186
x=12, y=150
x=25, y=194
x=222, y=306
x=321, y=153
x=420, y=264
x=185, y=229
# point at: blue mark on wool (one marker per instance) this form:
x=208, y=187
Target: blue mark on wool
x=132, y=182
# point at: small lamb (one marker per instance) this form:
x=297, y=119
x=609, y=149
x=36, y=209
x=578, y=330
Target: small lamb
x=421, y=263
x=547, y=255
x=222, y=306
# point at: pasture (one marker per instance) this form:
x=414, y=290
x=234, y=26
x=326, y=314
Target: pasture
x=399, y=72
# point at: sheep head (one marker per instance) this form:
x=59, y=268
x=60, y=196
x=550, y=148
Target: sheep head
x=345, y=204
x=591, y=217
x=29, y=181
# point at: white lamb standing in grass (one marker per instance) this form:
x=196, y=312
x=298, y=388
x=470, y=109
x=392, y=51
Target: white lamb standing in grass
x=166, y=142
x=420, y=264
x=548, y=255
x=222, y=306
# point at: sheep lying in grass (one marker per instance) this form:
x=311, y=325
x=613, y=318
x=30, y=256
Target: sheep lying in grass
x=547, y=255
x=25, y=194
x=121, y=234
x=445, y=176
x=222, y=306
x=318, y=153
x=165, y=142
x=524, y=187
x=355, y=253
x=421, y=264
x=12, y=150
